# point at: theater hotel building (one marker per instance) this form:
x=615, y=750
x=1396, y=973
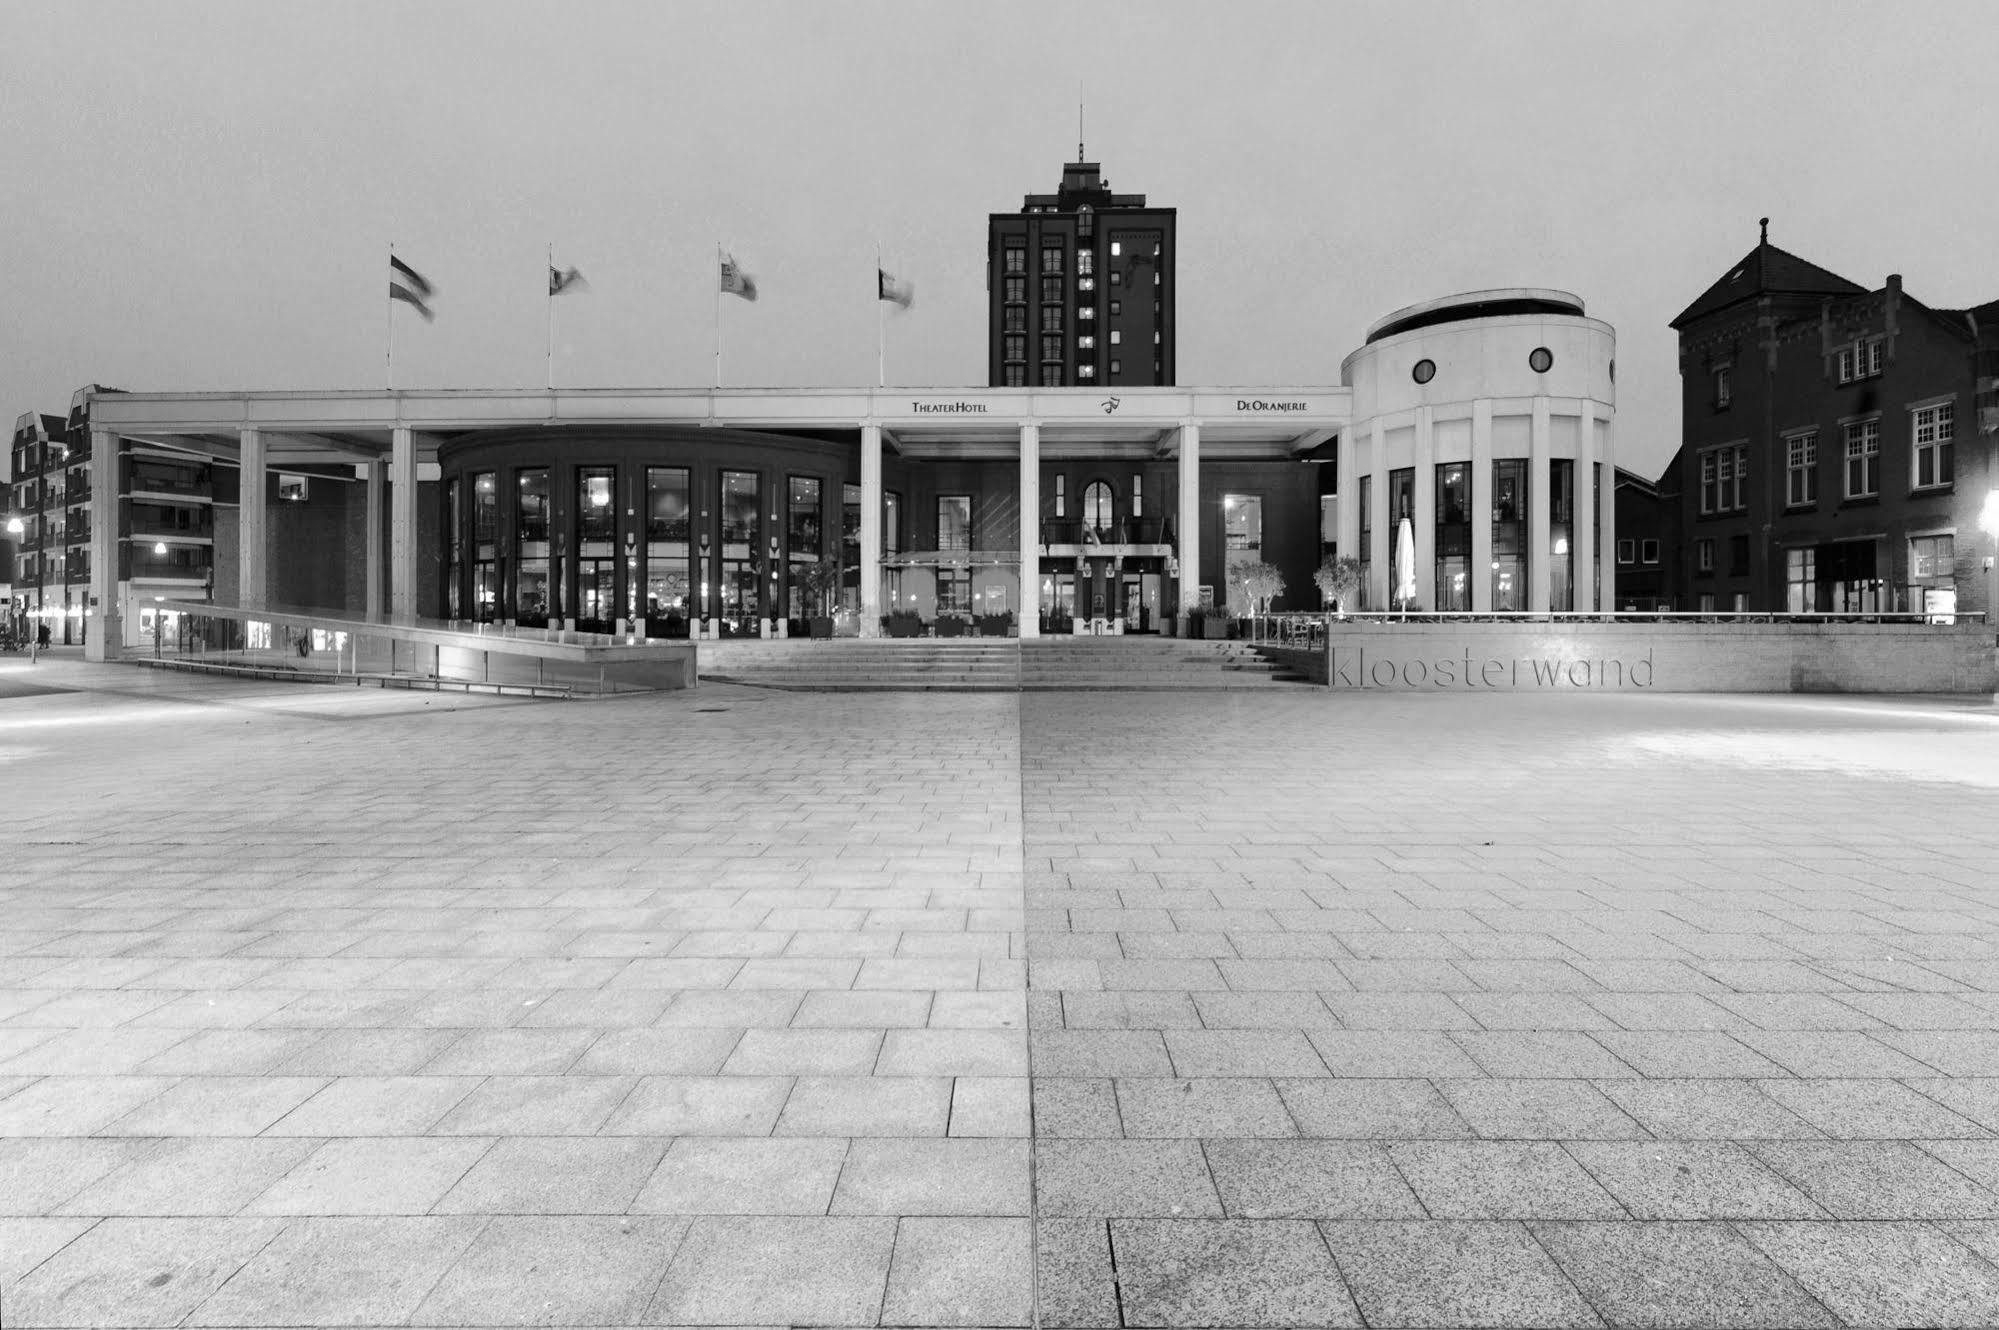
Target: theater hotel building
x=1086, y=493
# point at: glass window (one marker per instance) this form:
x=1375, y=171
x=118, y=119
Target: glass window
x=742, y=564
x=596, y=509
x=1015, y=376
x=1509, y=534
x=954, y=591
x=1704, y=555
x=1051, y=347
x=1242, y=539
x=1051, y=376
x=1561, y=515
x=1016, y=259
x=1138, y=496
x=1015, y=319
x=1086, y=263
x=1648, y=551
x=954, y=521
x=531, y=565
x=454, y=549
x=1724, y=387
x=1934, y=429
x=1051, y=259
x=1015, y=347
x=1087, y=313
x=1086, y=371
x=1453, y=539
x=1801, y=580
x=1099, y=507
x=1061, y=495
x=1932, y=558
x=1051, y=318
x=1627, y=551
x=891, y=522
x=669, y=564
x=1366, y=537
x=1016, y=290
x=1863, y=459
x=1801, y=462
x=1086, y=342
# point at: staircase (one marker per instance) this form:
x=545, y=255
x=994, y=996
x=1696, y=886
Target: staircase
x=992, y=664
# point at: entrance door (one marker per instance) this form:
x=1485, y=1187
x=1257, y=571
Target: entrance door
x=596, y=595
x=1139, y=603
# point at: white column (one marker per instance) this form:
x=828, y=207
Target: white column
x=1381, y=552
x=1189, y=532
x=1606, y=518
x=1539, y=510
x=104, y=630
x=871, y=530
x=1584, y=536
x=1346, y=501
x=1425, y=517
x=1482, y=502
x=1030, y=531
x=252, y=588
x=377, y=487
x=402, y=524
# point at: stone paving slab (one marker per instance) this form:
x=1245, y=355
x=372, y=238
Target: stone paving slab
x=739, y=1008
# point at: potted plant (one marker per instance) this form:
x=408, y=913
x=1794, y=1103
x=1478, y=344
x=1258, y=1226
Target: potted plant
x=902, y=623
x=995, y=625
x=1338, y=579
x=819, y=581
x=950, y=625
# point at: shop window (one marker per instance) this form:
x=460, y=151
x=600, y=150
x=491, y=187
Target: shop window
x=532, y=601
x=1801, y=580
x=1453, y=536
x=954, y=521
x=669, y=568
x=1509, y=534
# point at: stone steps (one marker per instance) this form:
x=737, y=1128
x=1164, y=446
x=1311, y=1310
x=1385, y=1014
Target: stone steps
x=992, y=665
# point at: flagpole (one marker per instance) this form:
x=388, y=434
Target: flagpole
x=718, y=313
x=551, y=316
x=881, y=325
x=389, y=359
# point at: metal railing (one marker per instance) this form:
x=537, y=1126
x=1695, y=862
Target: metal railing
x=1308, y=630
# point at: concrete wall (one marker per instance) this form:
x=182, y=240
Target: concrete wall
x=1663, y=658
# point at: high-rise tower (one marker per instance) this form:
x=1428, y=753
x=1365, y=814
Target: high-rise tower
x=1080, y=287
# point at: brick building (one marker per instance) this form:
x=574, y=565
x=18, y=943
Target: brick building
x=1080, y=288
x=1837, y=445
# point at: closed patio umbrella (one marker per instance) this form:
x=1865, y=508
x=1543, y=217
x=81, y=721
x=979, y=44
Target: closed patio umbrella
x=1405, y=564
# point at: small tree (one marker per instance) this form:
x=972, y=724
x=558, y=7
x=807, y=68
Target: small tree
x=1337, y=579
x=819, y=581
x=1260, y=582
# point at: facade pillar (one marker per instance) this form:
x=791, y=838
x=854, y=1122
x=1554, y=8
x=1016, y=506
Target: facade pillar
x=1346, y=501
x=1030, y=530
x=871, y=530
x=1381, y=552
x=377, y=497
x=104, y=639
x=1424, y=519
x=1484, y=500
x=402, y=524
x=253, y=525
x=1606, y=517
x=1584, y=507
x=1188, y=533
x=1539, y=511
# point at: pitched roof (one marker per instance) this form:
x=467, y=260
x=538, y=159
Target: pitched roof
x=1767, y=269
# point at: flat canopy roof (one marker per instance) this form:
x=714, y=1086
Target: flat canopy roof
x=350, y=426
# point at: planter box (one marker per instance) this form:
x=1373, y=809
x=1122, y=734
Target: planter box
x=994, y=625
x=902, y=625
x=819, y=627
x=950, y=626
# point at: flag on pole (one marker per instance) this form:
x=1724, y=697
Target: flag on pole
x=565, y=279
x=408, y=285
x=736, y=282
x=893, y=289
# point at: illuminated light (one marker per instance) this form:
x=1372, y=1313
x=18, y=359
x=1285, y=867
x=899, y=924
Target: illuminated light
x=1988, y=516
x=1562, y=545
x=159, y=547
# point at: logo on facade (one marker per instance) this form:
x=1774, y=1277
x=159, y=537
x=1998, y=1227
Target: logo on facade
x=1259, y=404
x=1111, y=404
x=948, y=408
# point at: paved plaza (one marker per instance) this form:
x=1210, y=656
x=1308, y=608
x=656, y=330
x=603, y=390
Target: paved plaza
x=745, y=1008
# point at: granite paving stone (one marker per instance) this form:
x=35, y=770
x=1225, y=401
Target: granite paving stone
x=553, y=1175
x=1878, y=1180
x=138, y=1272
x=1103, y=1178
x=1501, y=1180
x=1691, y=1180
x=1448, y=1273
x=581, y=1270
x=1210, y=1106
x=777, y=1270
x=928, y=1176
x=960, y=1272
x=189, y=1176
x=755, y=1176
x=1208, y=1272
x=1657, y=1274
x=342, y=1271
x=1310, y=1180
x=360, y=1175
x=866, y=1106
x=1884, y=1274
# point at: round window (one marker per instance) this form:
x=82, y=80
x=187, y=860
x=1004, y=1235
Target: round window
x=1541, y=360
x=1425, y=371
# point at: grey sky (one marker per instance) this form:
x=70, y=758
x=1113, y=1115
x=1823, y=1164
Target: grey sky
x=200, y=193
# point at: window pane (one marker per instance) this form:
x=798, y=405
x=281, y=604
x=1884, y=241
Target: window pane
x=954, y=521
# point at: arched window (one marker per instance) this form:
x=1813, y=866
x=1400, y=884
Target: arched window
x=1098, y=506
